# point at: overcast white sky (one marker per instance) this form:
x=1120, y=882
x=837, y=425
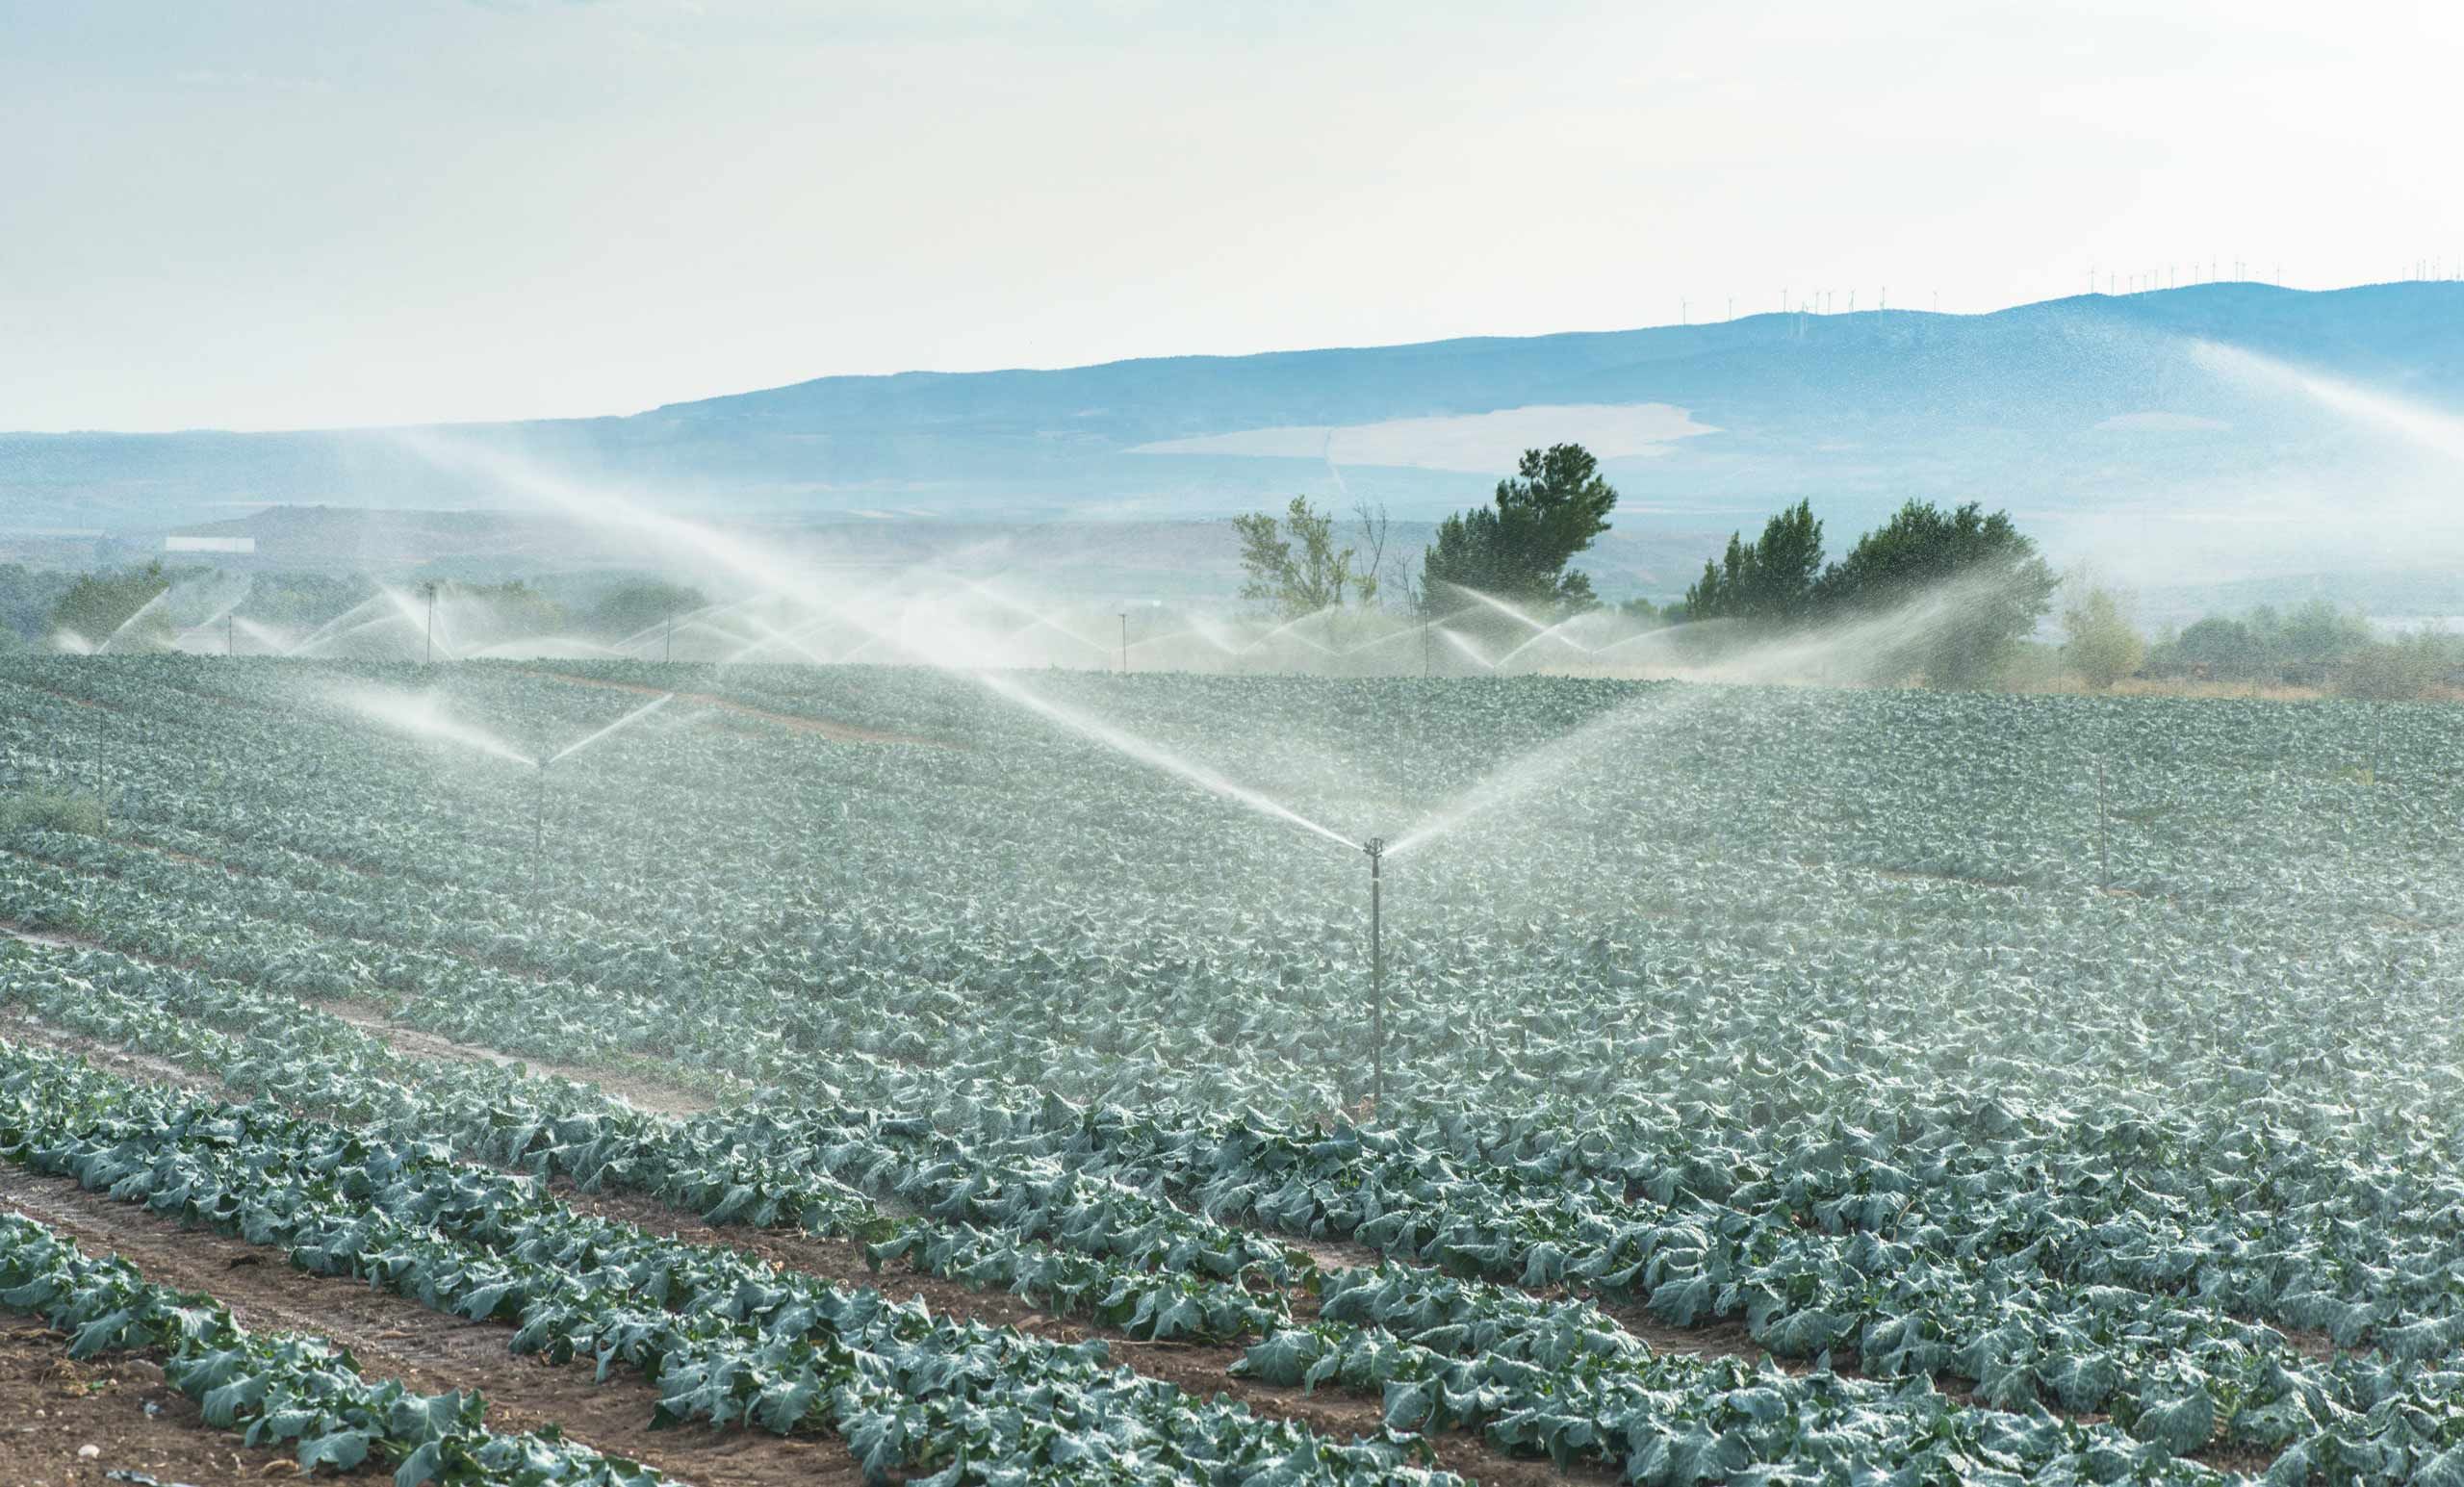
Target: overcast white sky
x=302, y=213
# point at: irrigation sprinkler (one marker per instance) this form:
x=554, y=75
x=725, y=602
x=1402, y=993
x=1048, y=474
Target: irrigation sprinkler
x=430, y=589
x=670, y=657
x=230, y=636
x=1375, y=847
x=1124, y=642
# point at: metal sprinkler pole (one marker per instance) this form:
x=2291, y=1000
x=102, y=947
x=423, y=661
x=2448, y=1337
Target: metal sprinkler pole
x=2104, y=861
x=1124, y=642
x=670, y=657
x=230, y=635
x=431, y=587
x=538, y=829
x=1375, y=847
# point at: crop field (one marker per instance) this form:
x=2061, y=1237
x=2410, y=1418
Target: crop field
x=845, y=1073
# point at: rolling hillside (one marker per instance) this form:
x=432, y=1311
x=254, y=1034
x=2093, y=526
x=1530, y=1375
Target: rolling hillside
x=2105, y=422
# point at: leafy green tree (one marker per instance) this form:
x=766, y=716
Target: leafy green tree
x=2219, y=647
x=1294, y=568
x=2398, y=670
x=2307, y=645
x=98, y=603
x=1983, y=585
x=2098, y=643
x=1771, y=578
x=27, y=597
x=2312, y=638
x=302, y=600
x=1651, y=616
x=1517, y=547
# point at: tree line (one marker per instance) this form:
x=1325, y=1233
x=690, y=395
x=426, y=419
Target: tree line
x=1967, y=585
x=1977, y=583
x=2312, y=646
x=1957, y=594
x=36, y=605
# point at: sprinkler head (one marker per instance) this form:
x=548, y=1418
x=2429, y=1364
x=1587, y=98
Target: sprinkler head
x=1375, y=847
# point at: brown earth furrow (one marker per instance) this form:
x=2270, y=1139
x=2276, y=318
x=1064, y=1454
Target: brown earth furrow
x=1201, y=1369
x=846, y=1263
x=634, y=1091
x=644, y=1093
x=81, y=702
x=50, y=938
x=54, y=1408
x=441, y=1344
x=393, y=1337
x=142, y=1068
x=284, y=921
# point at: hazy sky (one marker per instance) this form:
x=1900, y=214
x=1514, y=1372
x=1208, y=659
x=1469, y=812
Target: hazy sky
x=310, y=211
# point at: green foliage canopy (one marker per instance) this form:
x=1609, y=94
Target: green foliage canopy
x=1981, y=578
x=1297, y=570
x=1773, y=578
x=98, y=603
x=1517, y=547
x=2099, y=644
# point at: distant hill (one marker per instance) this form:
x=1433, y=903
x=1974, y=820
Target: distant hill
x=2105, y=422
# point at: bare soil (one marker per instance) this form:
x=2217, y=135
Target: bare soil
x=1201, y=1369
x=46, y=937
x=18, y=1029
x=641, y=1093
x=396, y=1337
x=393, y=1337
x=634, y=1090
x=81, y=701
x=190, y=857
x=53, y=1410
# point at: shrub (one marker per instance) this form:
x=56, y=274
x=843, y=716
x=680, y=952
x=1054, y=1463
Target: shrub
x=52, y=810
x=2393, y=671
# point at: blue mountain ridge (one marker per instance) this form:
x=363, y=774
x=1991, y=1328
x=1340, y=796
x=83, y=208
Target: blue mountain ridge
x=2085, y=404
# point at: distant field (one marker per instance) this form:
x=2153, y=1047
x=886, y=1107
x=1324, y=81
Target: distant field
x=1783, y=1085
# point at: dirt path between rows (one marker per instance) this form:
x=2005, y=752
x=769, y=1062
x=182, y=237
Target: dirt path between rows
x=339, y=864
x=640, y=1093
x=81, y=702
x=18, y=1028
x=115, y=1406
x=393, y=1337
x=1200, y=1369
x=396, y=1337
x=845, y=1262
x=843, y=733
x=437, y=1342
